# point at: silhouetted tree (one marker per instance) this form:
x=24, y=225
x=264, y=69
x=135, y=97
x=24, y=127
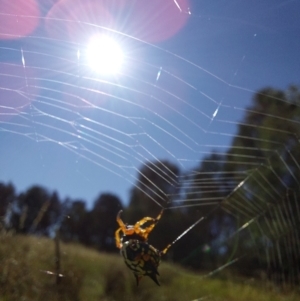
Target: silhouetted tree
x=157, y=185
x=102, y=221
x=266, y=202
x=270, y=130
x=206, y=187
x=7, y=197
x=35, y=211
x=74, y=226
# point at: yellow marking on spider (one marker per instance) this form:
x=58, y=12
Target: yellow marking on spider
x=136, y=229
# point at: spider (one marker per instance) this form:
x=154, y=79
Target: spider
x=139, y=256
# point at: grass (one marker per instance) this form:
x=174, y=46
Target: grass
x=89, y=275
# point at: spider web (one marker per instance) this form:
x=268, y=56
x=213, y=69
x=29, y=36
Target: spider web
x=179, y=100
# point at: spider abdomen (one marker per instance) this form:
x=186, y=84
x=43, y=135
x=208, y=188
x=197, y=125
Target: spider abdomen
x=142, y=258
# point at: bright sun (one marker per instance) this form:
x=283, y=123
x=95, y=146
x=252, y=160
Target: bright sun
x=104, y=55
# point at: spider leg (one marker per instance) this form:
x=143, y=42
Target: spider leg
x=117, y=238
x=119, y=220
x=165, y=250
x=145, y=232
x=123, y=228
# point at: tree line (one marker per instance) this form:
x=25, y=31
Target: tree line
x=253, y=186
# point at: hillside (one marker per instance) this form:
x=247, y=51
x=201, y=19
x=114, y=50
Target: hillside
x=27, y=266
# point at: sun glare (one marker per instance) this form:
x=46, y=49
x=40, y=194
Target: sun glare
x=104, y=55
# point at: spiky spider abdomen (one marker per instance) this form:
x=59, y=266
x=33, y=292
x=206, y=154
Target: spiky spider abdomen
x=142, y=259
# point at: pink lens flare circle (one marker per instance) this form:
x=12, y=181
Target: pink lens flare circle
x=18, y=18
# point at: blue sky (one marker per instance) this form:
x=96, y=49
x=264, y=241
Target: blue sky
x=69, y=129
